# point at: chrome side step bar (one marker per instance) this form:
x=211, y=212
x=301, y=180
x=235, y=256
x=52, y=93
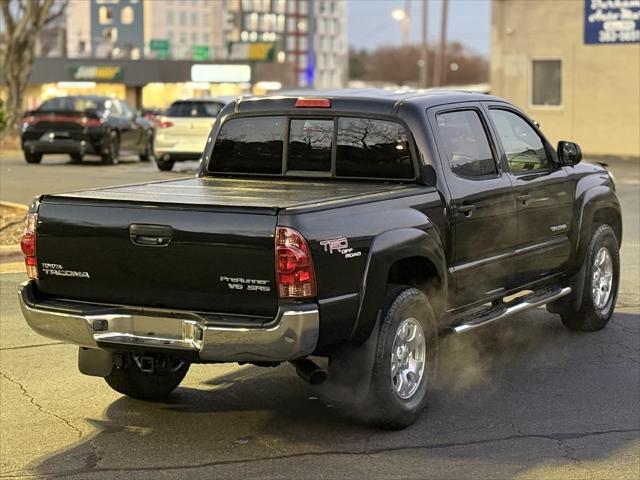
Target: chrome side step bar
x=518, y=305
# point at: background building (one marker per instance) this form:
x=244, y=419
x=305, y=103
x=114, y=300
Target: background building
x=184, y=29
x=146, y=50
x=105, y=29
x=330, y=44
x=574, y=66
x=309, y=37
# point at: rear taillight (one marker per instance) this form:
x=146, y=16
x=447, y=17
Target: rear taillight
x=294, y=267
x=28, y=245
x=165, y=124
x=29, y=120
x=90, y=122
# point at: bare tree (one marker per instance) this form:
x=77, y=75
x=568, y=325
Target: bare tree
x=23, y=20
x=400, y=65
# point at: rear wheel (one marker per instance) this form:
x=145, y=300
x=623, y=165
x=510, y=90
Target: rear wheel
x=111, y=149
x=33, y=157
x=164, y=164
x=76, y=157
x=148, y=154
x=405, y=360
x=602, y=277
x=164, y=376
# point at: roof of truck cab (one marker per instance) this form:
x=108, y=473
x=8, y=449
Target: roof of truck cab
x=363, y=99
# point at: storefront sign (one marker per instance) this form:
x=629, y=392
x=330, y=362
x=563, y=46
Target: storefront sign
x=200, y=52
x=611, y=21
x=252, y=51
x=220, y=73
x=96, y=73
x=160, y=48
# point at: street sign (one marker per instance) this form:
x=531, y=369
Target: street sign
x=252, y=51
x=160, y=48
x=200, y=52
x=96, y=73
x=611, y=22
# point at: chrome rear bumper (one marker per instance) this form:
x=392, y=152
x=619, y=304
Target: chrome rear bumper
x=292, y=334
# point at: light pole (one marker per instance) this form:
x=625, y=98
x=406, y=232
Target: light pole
x=403, y=15
x=439, y=70
x=424, y=50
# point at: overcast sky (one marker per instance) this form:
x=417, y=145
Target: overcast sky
x=371, y=25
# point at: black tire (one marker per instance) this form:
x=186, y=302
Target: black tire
x=590, y=317
x=164, y=165
x=111, y=149
x=35, y=157
x=132, y=382
x=384, y=408
x=76, y=157
x=148, y=153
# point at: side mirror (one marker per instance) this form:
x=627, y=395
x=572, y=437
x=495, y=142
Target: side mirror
x=569, y=153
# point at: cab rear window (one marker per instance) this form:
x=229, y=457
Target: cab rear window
x=367, y=146
x=250, y=145
x=345, y=147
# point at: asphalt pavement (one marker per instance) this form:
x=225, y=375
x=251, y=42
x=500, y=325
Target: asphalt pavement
x=523, y=398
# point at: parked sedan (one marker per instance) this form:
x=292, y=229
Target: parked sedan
x=183, y=130
x=86, y=125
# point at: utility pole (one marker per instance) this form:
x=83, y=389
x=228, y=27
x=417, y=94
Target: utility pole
x=439, y=70
x=406, y=23
x=424, y=50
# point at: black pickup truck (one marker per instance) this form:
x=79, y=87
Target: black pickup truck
x=359, y=227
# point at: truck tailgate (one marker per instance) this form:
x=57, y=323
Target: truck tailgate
x=210, y=259
x=219, y=257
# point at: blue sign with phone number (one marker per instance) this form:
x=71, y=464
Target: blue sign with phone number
x=611, y=21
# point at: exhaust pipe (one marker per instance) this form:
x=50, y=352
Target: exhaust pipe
x=309, y=371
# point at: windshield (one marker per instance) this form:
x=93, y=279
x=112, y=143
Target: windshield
x=194, y=109
x=73, y=104
x=345, y=147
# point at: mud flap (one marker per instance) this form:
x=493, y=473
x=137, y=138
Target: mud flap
x=350, y=369
x=578, y=286
x=95, y=362
x=572, y=302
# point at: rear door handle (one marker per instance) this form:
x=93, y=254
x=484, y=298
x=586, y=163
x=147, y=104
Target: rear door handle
x=466, y=210
x=150, y=235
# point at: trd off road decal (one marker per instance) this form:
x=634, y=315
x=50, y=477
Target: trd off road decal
x=340, y=245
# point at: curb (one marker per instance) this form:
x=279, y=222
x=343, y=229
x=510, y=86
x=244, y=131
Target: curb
x=10, y=253
x=19, y=206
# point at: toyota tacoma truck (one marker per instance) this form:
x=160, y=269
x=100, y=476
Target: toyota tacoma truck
x=344, y=233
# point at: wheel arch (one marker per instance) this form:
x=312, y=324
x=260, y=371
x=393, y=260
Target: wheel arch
x=598, y=205
x=402, y=256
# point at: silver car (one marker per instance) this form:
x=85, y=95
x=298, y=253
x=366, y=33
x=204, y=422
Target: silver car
x=183, y=130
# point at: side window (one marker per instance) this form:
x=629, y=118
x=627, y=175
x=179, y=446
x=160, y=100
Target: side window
x=126, y=111
x=116, y=108
x=522, y=145
x=465, y=140
x=310, y=145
